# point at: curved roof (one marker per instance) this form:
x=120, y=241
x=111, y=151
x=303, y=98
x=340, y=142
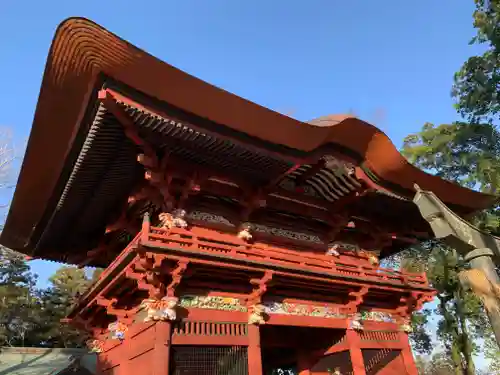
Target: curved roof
x=83, y=54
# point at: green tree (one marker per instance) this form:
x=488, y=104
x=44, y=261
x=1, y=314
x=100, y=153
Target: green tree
x=438, y=364
x=468, y=154
x=492, y=352
x=19, y=304
x=461, y=319
x=477, y=83
x=67, y=284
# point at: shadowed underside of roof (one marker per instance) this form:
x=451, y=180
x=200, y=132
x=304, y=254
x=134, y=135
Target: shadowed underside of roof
x=263, y=144
x=105, y=172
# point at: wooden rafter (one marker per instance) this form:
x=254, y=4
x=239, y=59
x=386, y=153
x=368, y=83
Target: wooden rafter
x=311, y=172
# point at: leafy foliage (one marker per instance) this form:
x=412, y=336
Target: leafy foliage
x=468, y=154
x=31, y=317
x=68, y=283
x=478, y=80
x=461, y=318
x=19, y=305
x=438, y=364
x=492, y=352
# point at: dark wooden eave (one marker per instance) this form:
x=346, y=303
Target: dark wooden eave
x=106, y=172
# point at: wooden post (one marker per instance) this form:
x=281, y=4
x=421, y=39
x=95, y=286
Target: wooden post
x=407, y=355
x=254, y=352
x=125, y=363
x=161, y=364
x=358, y=364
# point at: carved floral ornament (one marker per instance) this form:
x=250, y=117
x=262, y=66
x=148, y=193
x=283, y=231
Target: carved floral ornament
x=212, y=302
x=285, y=233
x=355, y=323
x=209, y=218
x=165, y=310
x=274, y=307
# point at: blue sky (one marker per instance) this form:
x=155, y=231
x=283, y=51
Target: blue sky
x=390, y=61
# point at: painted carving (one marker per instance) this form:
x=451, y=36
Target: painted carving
x=333, y=250
x=345, y=246
x=286, y=233
x=163, y=310
x=117, y=330
x=338, y=166
x=245, y=234
x=355, y=322
x=210, y=218
x=257, y=313
x=176, y=219
x=95, y=346
x=166, y=220
x=286, y=308
x=179, y=216
x=212, y=302
x=376, y=316
x=406, y=326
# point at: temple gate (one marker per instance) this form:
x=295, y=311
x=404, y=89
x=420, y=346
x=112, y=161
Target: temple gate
x=235, y=240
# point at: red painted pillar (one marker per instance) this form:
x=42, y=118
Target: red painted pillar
x=358, y=364
x=407, y=355
x=254, y=352
x=125, y=354
x=161, y=359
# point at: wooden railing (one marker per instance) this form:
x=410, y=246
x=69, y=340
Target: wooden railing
x=204, y=241
x=379, y=336
x=187, y=328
